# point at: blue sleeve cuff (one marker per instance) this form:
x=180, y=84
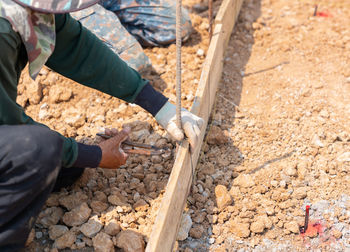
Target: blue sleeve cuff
x=150, y=99
x=88, y=156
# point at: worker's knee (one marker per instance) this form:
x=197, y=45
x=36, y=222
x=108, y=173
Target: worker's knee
x=30, y=159
x=44, y=144
x=106, y=26
x=29, y=148
x=152, y=22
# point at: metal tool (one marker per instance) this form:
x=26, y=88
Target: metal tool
x=138, y=148
x=306, y=223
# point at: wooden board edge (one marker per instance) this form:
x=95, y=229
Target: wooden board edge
x=227, y=10
x=165, y=228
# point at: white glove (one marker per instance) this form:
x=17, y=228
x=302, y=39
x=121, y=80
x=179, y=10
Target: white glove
x=191, y=123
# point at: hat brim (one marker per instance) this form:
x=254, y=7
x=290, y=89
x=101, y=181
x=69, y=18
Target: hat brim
x=56, y=6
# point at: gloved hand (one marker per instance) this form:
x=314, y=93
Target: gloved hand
x=191, y=123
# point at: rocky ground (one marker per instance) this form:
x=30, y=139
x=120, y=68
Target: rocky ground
x=278, y=140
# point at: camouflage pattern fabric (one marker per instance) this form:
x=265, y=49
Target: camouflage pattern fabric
x=105, y=25
x=56, y=6
x=152, y=22
x=37, y=31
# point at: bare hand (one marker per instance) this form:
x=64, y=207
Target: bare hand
x=113, y=155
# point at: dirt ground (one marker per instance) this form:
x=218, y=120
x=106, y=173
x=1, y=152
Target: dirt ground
x=278, y=140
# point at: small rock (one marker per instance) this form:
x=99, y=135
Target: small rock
x=292, y=227
x=56, y=231
x=137, y=125
x=139, y=135
x=257, y=227
x=92, y=227
x=65, y=241
x=34, y=91
x=30, y=238
x=270, y=210
x=44, y=113
x=239, y=229
x=185, y=226
x=73, y=200
x=53, y=200
x=80, y=244
x=130, y=241
x=216, y=136
x=38, y=235
x=244, y=180
x=98, y=206
x=234, y=192
x=208, y=169
x=266, y=220
x=223, y=198
x=102, y=242
x=291, y=171
x=112, y=228
x=58, y=94
x=87, y=241
x=141, y=205
x=300, y=193
x=117, y=199
x=317, y=142
x=200, y=52
x=51, y=216
x=274, y=183
x=337, y=234
x=77, y=216
x=74, y=117
x=283, y=183
x=302, y=169
x=197, y=232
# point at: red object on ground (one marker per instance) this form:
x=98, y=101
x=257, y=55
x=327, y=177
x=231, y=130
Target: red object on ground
x=314, y=229
x=323, y=14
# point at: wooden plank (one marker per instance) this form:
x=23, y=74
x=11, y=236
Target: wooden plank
x=166, y=225
x=229, y=10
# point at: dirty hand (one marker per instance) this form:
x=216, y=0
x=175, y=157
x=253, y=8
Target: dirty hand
x=191, y=123
x=113, y=155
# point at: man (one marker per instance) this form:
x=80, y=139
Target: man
x=33, y=159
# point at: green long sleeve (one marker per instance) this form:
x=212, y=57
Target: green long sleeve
x=81, y=56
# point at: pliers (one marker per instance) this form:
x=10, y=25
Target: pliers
x=138, y=148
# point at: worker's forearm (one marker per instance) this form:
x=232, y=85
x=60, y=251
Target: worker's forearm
x=81, y=56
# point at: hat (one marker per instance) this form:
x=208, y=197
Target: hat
x=56, y=6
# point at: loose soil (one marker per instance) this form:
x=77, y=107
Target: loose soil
x=278, y=140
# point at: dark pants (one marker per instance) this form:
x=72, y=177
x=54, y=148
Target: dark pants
x=30, y=168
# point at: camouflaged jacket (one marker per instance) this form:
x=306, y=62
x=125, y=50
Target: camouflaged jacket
x=37, y=29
